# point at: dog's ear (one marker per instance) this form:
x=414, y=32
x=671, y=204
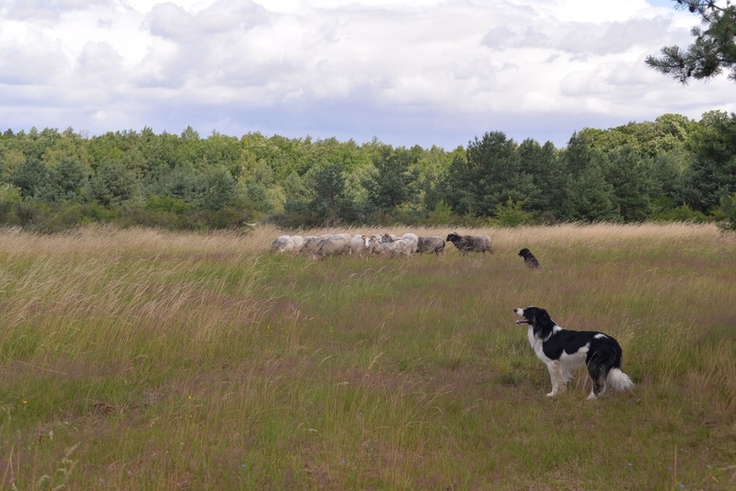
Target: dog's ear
x=544, y=318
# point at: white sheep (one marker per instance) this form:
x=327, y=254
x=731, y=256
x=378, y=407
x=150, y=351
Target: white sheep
x=280, y=244
x=359, y=244
x=297, y=243
x=399, y=247
x=311, y=243
x=287, y=243
x=333, y=246
x=413, y=239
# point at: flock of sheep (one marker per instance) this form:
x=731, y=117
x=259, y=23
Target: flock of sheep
x=387, y=245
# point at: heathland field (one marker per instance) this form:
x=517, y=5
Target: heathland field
x=138, y=359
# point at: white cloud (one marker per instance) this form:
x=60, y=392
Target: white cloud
x=31, y=59
x=43, y=10
x=410, y=72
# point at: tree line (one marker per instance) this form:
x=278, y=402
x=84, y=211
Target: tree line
x=673, y=168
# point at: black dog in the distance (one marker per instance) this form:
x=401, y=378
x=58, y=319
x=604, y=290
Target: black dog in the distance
x=564, y=350
x=529, y=260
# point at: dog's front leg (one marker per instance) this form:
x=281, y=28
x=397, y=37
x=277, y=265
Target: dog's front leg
x=556, y=375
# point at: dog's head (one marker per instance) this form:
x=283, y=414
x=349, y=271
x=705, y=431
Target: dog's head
x=524, y=252
x=534, y=316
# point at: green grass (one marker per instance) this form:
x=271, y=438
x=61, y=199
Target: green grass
x=139, y=359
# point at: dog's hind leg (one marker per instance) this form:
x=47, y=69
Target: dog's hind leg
x=599, y=387
x=598, y=378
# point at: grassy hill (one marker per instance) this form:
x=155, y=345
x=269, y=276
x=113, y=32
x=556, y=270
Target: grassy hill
x=138, y=359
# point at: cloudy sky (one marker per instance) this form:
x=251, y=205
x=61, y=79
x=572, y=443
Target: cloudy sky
x=426, y=72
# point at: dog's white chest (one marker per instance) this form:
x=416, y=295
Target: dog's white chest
x=536, y=344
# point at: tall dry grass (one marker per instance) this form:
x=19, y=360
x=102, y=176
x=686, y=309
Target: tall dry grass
x=139, y=359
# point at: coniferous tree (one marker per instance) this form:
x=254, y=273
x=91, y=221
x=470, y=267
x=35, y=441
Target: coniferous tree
x=329, y=202
x=713, y=50
x=712, y=173
x=69, y=179
x=579, y=154
x=33, y=178
x=394, y=181
x=498, y=172
x=112, y=185
x=630, y=176
x=220, y=189
x=491, y=174
x=329, y=185
x=547, y=171
x=591, y=198
x=458, y=188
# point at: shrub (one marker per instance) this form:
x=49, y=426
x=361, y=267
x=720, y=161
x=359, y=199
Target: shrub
x=680, y=214
x=511, y=214
x=167, y=204
x=728, y=208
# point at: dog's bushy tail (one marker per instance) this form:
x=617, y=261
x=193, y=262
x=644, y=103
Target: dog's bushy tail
x=618, y=380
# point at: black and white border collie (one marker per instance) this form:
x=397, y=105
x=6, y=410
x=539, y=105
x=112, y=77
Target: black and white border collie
x=563, y=350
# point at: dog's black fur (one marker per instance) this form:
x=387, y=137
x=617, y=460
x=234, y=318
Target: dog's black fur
x=563, y=350
x=529, y=260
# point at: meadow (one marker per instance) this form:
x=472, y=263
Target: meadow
x=148, y=360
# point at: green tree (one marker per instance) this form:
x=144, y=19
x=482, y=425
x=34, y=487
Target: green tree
x=631, y=178
x=220, y=189
x=113, y=184
x=591, y=198
x=33, y=178
x=712, y=174
x=649, y=138
x=498, y=172
x=9, y=194
x=294, y=187
x=712, y=51
x=458, y=188
x=491, y=174
x=394, y=183
x=177, y=182
x=668, y=169
x=257, y=198
x=580, y=152
x=330, y=202
x=69, y=179
x=434, y=165
x=549, y=175
x=329, y=186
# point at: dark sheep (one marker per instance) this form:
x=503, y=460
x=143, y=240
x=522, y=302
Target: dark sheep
x=471, y=243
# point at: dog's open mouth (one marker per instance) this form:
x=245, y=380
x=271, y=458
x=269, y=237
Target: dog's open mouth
x=523, y=320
